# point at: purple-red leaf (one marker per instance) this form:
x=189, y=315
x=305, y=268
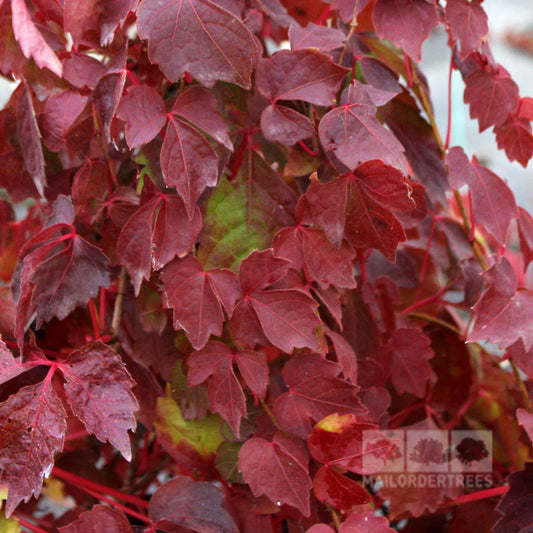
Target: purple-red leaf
x=410, y=370
x=315, y=392
x=492, y=97
x=493, y=202
x=31, y=40
x=267, y=467
x=344, y=442
x=98, y=389
x=197, y=298
x=407, y=23
x=32, y=429
x=224, y=391
x=503, y=313
x=188, y=161
x=333, y=488
x=193, y=505
x=306, y=75
x=99, y=518
x=30, y=138
x=516, y=138
x=150, y=238
x=197, y=36
x=143, y=111
x=314, y=36
x=352, y=133
x=285, y=125
x=525, y=232
x=468, y=23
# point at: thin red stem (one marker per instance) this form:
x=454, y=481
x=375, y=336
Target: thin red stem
x=410, y=81
x=117, y=505
x=472, y=220
x=94, y=319
x=425, y=301
x=307, y=150
x=476, y=496
x=101, y=310
x=323, y=16
x=29, y=525
x=69, y=477
x=449, y=128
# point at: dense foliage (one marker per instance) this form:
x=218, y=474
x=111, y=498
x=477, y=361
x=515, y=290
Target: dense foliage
x=229, y=269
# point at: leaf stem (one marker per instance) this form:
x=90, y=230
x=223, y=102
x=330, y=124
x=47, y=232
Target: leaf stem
x=28, y=525
x=476, y=496
x=76, y=480
x=521, y=385
x=410, y=81
x=269, y=413
x=117, y=505
x=117, y=310
x=449, y=127
x=94, y=319
x=438, y=321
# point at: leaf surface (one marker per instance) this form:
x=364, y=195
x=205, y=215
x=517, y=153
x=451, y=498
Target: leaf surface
x=352, y=133
x=333, y=488
x=306, y=75
x=222, y=43
x=407, y=23
x=194, y=505
x=410, y=370
x=149, y=239
x=502, y=311
x=198, y=298
x=492, y=97
x=493, y=202
x=31, y=40
x=99, y=518
x=32, y=429
x=266, y=467
x=98, y=389
x=468, y=23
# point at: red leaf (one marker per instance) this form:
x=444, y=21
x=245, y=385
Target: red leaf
x=266, y=467
x=9, y=366
x=502, y=313
x=364, y=201
x=515, y=505
x=320, y=528
x=492, y=97
x=31, y=140
x=149, y=238
x=82, y=70
x=99, y=518
x=306, y=75
x=30, y=39
x=261, y=269
x=333, y=488
x=98, y=388
x=363, y=520
x=198, y=106
x=254, y=370
x=188, y=162
x=314, y=393
x=311, y=248
x=222, y=43
x=197, y=298
x=32, y=429
x=76, y=16
x=224, y=391
x=525, y=419
x=60, y=113
x=314, y=36
x=410, y=371
x=344, y=442
x=143, y=111
x=468, y=23
x=392, y=18
x=525, y=232
x=285, y=125
x=493, y=202
x=352, y=133
x=516, y=138
x=57, y=271
x=194, y=505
